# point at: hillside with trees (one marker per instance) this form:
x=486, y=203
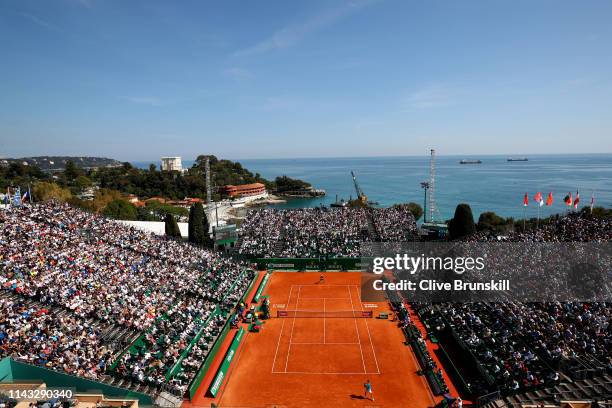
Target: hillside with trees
x=110, y=185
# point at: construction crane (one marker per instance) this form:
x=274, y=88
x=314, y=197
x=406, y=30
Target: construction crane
x=360, y=195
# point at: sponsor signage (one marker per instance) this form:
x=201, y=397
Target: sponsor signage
x=229, y=356
x=262, y=285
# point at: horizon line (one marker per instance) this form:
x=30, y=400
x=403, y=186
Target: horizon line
x=469, y=156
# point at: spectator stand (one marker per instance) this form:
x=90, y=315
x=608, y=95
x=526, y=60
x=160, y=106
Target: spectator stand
x=199, y=386
x=577, y=366
x=498, y=354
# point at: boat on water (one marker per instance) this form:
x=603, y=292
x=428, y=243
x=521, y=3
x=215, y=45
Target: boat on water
x=340, y=204
x=470, y=162
x=517, y=159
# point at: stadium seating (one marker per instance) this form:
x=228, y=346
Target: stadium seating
x=101, y=300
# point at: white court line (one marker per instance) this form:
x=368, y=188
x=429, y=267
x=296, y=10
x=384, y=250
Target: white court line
x=281, y=332
x=292, y=327
x=309, y=372
x=319, y=298
x=358, y=337
x=325, y=343
x=372, y=344
x=323, y=320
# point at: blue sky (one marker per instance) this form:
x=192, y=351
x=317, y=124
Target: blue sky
x=135, y=80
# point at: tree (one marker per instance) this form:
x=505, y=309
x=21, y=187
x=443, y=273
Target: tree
x=414, y=208
x=120, y=210
x=82, y=182
x=171, y=226
x=103, y=197
x=44, y=191
x=198, y=226
x=283, y=184
x=86, y=205
x=159, y=210
x=489, y=221
x=71, y=172
x=462, y=224
x=598, y=212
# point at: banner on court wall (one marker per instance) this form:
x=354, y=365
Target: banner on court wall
x=229, y=356
x=262, y=285
x=280, y=265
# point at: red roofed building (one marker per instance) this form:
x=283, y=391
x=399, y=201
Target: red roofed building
x=245, y=190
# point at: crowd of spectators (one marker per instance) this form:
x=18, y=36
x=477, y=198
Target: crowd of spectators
x=33, y=334
x=395, y=224
x=322, y=232
x=520, y=346
x=572, y=227
x=153, y=360
x=93, y=269
x=508, y=364
x=58, y=258
x=523, y=345
x=562, y=332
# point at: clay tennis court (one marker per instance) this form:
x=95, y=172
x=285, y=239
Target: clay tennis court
x=310, y=358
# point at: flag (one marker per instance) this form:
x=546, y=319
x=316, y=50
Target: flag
x=568, y=199
x=576, y=200
x=549, y=199
x=17, y=198
x=592, y=200
x=526, y=200
x=538, y=199
x=25, y=196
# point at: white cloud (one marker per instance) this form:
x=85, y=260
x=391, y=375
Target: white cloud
x=238, y=73
x=292, y=34
x=40, y=22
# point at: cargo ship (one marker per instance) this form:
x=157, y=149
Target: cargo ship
x=517, y=159
x=470, y=162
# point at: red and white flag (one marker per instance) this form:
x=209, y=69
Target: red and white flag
x=576, y=200
x=538, y=199
x=526, y=200
x=549, y=199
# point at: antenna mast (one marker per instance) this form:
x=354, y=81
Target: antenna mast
x=432, y=186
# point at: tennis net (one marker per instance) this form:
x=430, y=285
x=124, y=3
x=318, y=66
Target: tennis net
x=326, y=314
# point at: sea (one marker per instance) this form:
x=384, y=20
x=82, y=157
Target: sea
x=493, y=185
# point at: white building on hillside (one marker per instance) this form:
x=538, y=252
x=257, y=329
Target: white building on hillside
x=171, y=164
